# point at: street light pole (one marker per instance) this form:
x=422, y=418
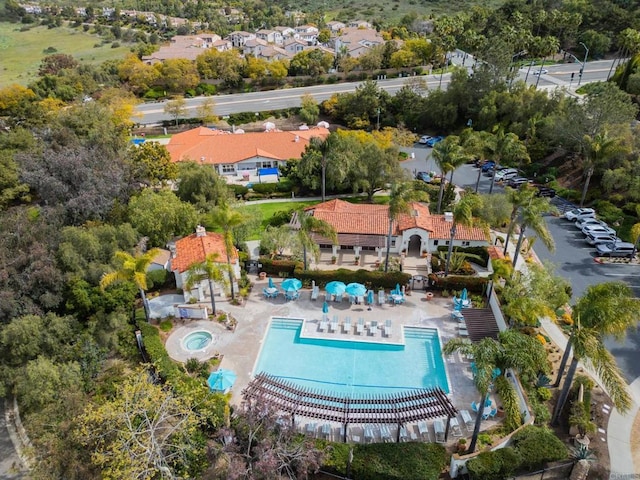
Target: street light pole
x=584, y=63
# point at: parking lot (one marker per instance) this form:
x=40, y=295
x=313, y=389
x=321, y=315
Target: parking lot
x=573, y=258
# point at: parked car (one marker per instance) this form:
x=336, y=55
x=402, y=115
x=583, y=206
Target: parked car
x=488, y=165
x=577, y=213
x=596, y=238
x=433, y=140
x=584, y=221
x=506, y=174
x=615, y=249
x=545, y=191
x=479, y=162
x=424, y=176
x=424, y=139
x=598, y=228
x=515, y=182
x=542, y=71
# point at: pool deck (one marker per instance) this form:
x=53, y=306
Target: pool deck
x=241, y=347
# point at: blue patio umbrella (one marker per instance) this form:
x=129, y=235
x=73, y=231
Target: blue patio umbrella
x=397, y=290
x=356, y=289
x=370, y=297
x=291, y=284
x=463, y=295
x=335, y=288
x=221, y=380
x=325, y=307
x=271, y=285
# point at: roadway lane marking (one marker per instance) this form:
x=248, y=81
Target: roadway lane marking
x=621, y=275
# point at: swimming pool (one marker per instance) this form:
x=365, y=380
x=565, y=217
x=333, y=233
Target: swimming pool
x=353, y=368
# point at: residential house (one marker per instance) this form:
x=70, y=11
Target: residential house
x=270, y=36
x=360, y=24
x=335, y=26
x=238, y=39
x=188, y=47
x=253, y=46
x=195, y=248
x=365, y=227
x=285, y=32
x=356, y=41
x=161, y=261
x=271, y=52
x=308, y=33
x=240, y=153
x=294, y=45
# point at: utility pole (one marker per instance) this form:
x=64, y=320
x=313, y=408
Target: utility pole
x=584, y=63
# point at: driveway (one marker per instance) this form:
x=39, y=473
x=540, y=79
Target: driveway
x=8, y=457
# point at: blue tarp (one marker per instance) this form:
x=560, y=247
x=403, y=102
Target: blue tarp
x=267, y=171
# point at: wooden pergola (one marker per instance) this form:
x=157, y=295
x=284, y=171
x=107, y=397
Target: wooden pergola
x=399, y=408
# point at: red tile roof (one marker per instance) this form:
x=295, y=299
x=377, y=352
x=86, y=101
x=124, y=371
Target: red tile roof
x=373, y=219
x=216, y=146
x=194, y=248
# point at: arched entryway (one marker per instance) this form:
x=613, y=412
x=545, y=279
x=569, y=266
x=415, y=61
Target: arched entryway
x=414, y=245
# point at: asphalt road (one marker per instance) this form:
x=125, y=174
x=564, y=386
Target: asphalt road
x=573, y=258
x=8, y=456
x=559, y=75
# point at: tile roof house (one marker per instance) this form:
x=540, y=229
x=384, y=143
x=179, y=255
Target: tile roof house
x=357, y=40
x=195, y=248
x=188, y=47
x=231, y=154
x=366, y=226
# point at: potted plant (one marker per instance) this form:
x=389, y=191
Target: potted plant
x=334, y=260
x=429, y=296
x=357, y=260
x=462, y=445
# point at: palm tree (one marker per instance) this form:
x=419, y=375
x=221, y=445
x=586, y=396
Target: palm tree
x=227, y=219
x=549, y=46
x=597, y=148
x=462, y=215
x=308, y=225
x=449, y=155
x=133, y=268
x=605, y=309
x=400, y=197
x=209, y=269
x=513, y=349
x=517, y=197
x=531, y=215
x=506, y=147
x=325, y=147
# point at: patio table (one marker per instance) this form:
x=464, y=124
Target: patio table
x=396, y=298
x=272, y=290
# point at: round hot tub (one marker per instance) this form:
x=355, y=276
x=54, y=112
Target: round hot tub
x=197, y=341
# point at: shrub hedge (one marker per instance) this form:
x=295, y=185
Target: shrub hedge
x=264, y=188
x=275, y=267
x=455, y=282
x=512, y=416
x=480, y=251
x=537, y=446
x=391, y=461
x=495, y=465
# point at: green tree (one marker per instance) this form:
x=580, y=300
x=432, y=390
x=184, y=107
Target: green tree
x=206, y=110
x=210, y=270
x=151, y=164
x=375, y=168
x=201, y=186
x=227, y=219
x=327, y=162
x=605, y=309
x=597, y=150
x=145, y=431
x=449, y=155
x=131, y=269
x=176, y=108
x=307, y=225
x=505, y=148
x=309, y=109
x=178, y=74
x=226, y=66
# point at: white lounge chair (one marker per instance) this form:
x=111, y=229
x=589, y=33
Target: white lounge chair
x=467, y=420
x=373, y=328
x=455, y=427
x=326, y=431
x=315, y=292
x=387, y=328
x=323, y=323
x=438, y=427
x=310, y=429
x=338, y=297
x=360, y=326
x=369, y=434
x=382, y=298
x=404, y=435
x=385, y=433
x=333, y=326
x=347, y=324
x=423, y=430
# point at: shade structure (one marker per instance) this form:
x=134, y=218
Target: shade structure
x=325, y=307
x=271, y=285
x=291, y=284
x=221, y=380
x=356, y=289
x=323, y=124
x=335, y=288
x=464, y=294
x=370, y=297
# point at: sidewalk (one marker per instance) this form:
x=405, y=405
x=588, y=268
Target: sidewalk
x=620, y=426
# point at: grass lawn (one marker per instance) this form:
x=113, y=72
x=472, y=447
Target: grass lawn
x=21, y=52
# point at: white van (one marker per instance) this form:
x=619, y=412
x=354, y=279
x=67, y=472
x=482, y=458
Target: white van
x=618, y=249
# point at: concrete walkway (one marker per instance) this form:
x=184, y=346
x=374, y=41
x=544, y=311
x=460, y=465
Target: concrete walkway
x=620, y=426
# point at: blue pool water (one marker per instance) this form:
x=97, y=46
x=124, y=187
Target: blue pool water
x=197, y=340
x=353, y=368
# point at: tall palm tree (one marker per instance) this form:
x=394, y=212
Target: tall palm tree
x=506, y=147
x=325, y=146
x=400, y=197
x=227, y=219
x=517, y=198
x=308, y=225
x=549, y=46
x=605, y=309
x=531, y=215
x=449, y=155
x=462, y=215
x=596, y=149
x=513, y=349
x=209, y=269
x=132, y=269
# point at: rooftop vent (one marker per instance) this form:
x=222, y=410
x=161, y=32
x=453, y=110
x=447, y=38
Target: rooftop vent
x=448, y=217
x=201, y=231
